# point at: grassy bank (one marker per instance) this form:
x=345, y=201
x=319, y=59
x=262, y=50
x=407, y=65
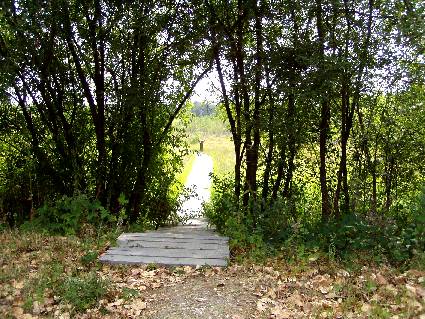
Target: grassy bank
x=188, y=161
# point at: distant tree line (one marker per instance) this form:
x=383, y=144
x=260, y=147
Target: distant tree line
x=202, y=108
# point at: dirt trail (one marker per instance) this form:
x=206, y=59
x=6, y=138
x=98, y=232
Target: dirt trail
x=205, y=297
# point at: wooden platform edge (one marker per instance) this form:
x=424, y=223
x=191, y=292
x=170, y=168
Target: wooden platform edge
x=162, y=261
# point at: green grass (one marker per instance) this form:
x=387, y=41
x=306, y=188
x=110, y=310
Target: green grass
x=187, y=164
x=204, y=127
x=51, y=271
x=83, y=291
x=217, y=142
x=221, y=150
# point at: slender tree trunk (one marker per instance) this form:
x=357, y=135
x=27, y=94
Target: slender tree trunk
x=269, y=157
x=374, y=195
x=345, y=187
x=252, y=151
x=139, y=188
x=280, y=171
x=97, y=111
x=388, y=183
x=234, y=121
x=324, y=127
x=324, y=121
x=43, y=161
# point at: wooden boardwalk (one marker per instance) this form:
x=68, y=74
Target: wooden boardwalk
x=174, y=246
x=191, y=244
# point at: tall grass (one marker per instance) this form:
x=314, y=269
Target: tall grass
x=201, y=127
x=221, y=150
x=217, y=142
x=187, y=167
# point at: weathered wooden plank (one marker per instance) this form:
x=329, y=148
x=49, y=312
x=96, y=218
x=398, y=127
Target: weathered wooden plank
x=129, y=241
x=182, y=230
x=171, y=240
x=154, y=252
x=198, y=236
x=172, y=245
x=166, y=261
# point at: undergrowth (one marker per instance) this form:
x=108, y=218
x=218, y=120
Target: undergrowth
x=53, y=271
x=257, y=232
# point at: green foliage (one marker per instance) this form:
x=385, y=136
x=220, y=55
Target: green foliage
x=222, y=205
x=83, y=292
x=68, y=214
x=401, y=242
x=89, y=258
x=129, y=293
x=151, y=266
x=244, y=241
x=223, y=212
x=84, y=123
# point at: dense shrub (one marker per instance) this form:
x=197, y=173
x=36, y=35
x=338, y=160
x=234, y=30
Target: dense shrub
x=83, y=292
x=67, y=215
x=382, y=238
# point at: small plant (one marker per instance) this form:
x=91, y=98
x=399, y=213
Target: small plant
x=129, y=293
x=89, y=258
x=3, y=226
x=178, y=271
x=378, y=311
x=66, y=215
x=370, y=286
x=151, y=266
x=83, y=292
x=332, y=247
x=122, y=214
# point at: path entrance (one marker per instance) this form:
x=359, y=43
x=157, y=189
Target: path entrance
x=191, y=243
x=199, y=182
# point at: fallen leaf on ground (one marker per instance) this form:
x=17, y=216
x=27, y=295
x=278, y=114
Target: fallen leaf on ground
x=280, y=313
x=139, y=305
x=295, y=299
x=381, y=280
x=366, y=308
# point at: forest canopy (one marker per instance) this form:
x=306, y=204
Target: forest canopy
x=324, y=101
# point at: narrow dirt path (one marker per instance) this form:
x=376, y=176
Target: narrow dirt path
x=208, y=297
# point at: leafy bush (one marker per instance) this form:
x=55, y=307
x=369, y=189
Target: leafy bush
x=223, y=203
x=68, y=214
x=380, y=238
x=408, y=238
x=223, y=212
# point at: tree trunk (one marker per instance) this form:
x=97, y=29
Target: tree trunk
x=324, y=120
x=324, y=127
x=234, y=121
x=269, y=157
